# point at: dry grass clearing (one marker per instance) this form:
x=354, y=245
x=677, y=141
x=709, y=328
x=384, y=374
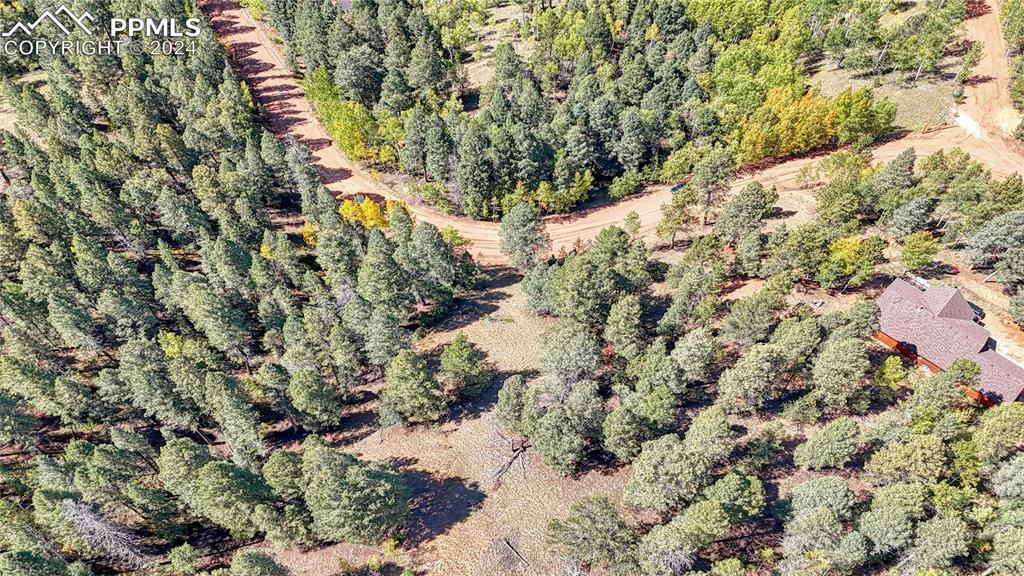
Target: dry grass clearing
x=460, y=514
x=499, y=28
x=925, y=104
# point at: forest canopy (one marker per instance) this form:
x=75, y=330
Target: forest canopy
x=594, y=95
x=159, y=315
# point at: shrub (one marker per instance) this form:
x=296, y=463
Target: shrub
x=830, y=447
x=625, y=184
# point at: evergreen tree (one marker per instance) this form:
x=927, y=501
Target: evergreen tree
x=179, y=463
x=381, y=282
x=410, y=392
x=624, y=431
x=511, y=405
x=830, y=447
x=253, y=563
x=593, y=535
x=463, y=367
x=558, y=440
x=283, y=473
x=351, y=501
x=745, y=210
x=622, y=328
x=570, y=353
x=696, y=354
x=143, y=371
x=236, y=418
x=319, y=403
x=837, y=370
x=425, y=71
x=228, y=495
x=522, y=237
x=747, y=385
x=473, y=171
x=28, y=563
x=17, y=426
x=711, y=175
x=631, y=149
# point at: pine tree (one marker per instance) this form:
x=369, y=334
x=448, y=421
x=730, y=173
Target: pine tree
x=17, y=427
x=143, y=370
x=670, y=548
x=320, y=404
x=676, y=215
x=438, y=150
x=558, y=440
x=837, y=371
x=351, y=501
x=696, y=353
x=28, y=563
x=583, y=290
x=384, y=336
x=463, y=367
x=437, y=274
x=744, y=211
x=829, y=447
x=73, y=324
x=473, y=171
x=570, y=354
x=537, y=288
x=410, y=392
x=179, y=462
x=660, y=478
x=711, y=175
x=747, y=385
x=228, y=495
x=511, y=404
x=622, y=328
x=425, y=70
x=380, y=280
x=912, y=216
x=226, y=327
x=624, y=431
x=632, y=148
x=254, y=563
x=522, y=237
x=283, y=473
x=394, y=92
x=237, y=420
x=593, y=535
x=414, y=151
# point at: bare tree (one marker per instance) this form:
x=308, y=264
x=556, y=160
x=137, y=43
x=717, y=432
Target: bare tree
x=511, y=450
x=118, y=543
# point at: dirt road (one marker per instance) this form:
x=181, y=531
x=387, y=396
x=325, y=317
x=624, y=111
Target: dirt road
x=980, y=129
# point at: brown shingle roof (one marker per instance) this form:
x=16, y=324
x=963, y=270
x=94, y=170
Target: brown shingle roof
x=947, y=302
x=937, y=324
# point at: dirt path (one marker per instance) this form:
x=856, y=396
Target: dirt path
x=261, y=63
x=987, y=99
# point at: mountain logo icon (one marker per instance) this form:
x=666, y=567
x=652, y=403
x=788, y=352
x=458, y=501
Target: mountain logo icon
x=53, y=17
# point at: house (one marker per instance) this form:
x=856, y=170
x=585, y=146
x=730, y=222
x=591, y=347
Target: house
x=935, y=327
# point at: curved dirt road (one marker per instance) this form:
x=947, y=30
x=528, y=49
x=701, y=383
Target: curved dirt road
x=981, y=130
